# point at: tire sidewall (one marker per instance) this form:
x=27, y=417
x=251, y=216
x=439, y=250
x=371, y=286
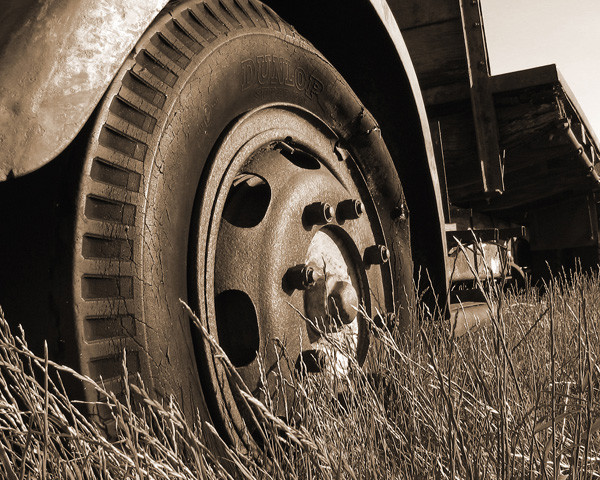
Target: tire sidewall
x=244, y=73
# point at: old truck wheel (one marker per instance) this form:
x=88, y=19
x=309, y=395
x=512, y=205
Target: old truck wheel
x=232, y=167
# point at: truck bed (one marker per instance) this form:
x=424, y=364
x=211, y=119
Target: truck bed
x=548, y=150
x=514, y=152
x=524, y=130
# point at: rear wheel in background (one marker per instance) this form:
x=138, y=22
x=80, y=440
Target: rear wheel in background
x=231, y=166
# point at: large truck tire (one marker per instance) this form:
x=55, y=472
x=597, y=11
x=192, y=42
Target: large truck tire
x=230, y=166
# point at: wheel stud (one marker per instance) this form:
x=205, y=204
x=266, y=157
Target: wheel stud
x=301, y=277
x=350, y=209
x=377, y=255
x=318, y=213
x=286, y=147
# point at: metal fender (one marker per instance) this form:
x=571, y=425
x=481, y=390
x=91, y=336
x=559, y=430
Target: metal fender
x=58, y=57
x=436, y=210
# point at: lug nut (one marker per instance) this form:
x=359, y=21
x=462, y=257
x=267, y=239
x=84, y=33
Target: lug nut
x=350, y=209
x=301, y=277
x=377, y=254
x=318, y=213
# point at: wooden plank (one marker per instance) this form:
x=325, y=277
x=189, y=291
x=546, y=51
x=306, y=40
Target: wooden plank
x=522, y=198
x=529, y=117
x=456, y=92
x=522, y=124
x=438, y=54
x=531, y=77
x=537, y=78
x=460, y=152
x=463, y=177
x=462, y=189
x=535, y=159
x=458, y=131
x=484, y=114
x=415, y=13
x=558, y=175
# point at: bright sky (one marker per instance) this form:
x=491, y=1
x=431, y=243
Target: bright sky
x=529, y=33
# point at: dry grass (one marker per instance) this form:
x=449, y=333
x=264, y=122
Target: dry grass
x=516, y=400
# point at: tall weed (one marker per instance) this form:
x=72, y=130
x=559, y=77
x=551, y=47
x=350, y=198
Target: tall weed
x=516, y=399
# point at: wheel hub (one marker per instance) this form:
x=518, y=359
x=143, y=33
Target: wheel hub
x=267, y=238
x=289, y=240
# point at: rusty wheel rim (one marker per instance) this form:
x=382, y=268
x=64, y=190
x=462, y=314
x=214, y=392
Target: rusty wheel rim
x=288, y=248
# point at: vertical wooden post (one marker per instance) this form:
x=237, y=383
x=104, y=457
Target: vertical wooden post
x=482, y=102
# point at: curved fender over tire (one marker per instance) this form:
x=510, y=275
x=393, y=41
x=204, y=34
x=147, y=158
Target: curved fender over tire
x=58, y=57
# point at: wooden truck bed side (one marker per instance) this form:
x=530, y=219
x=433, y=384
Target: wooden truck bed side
x=515, y=154
x=504, y=143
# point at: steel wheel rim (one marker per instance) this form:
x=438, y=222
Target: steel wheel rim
x=261, y=145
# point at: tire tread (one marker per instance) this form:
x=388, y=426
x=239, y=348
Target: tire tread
x=179, y=37
x=273, y=19
x=102, y=247
x=122, y=142
x=115, y=174
x=105, y=172
x=257, y=15
x=132, y=114
x=200, y=26
x=218, y=21
x=168, y=49
x=150, y=63
x=143, y=89
x=109, y=210
x=238, y=5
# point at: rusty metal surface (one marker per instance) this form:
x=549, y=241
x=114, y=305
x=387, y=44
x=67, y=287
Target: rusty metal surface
x=468, y=317
x=58, y=57
x=276, y=225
